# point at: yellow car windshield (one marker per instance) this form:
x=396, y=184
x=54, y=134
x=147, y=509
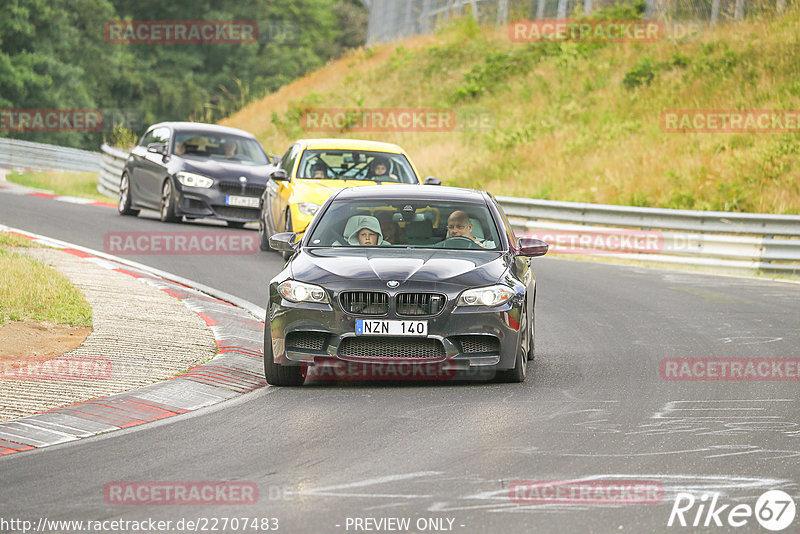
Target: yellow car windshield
x=356, y=165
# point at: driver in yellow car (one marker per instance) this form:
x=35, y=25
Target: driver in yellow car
x=459, y=225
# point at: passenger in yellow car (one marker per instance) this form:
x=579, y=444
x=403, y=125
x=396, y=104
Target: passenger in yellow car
x=379, y=171
x=363, y=230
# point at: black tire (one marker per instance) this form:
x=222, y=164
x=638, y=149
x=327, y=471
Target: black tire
x=519, y=372
x=287, y=227
x=168, y=203
x=124, y=203
x=235, y=224
x=263, y=237
x=280, y=375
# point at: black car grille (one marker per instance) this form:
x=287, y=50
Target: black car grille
x=236, y=188
x=477, y=344
x=364, y=302
x=420, y=303
x=390, y=347
x=233, y=212
x=314, y=341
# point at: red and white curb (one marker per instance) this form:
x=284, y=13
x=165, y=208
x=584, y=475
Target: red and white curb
x=237, y=368
x=18, y=189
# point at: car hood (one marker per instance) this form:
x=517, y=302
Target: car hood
x=224, y=170
x=459, y=267
x=318, y=191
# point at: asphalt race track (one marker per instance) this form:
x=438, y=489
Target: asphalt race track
x=594, y=407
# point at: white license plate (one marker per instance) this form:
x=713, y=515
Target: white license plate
x=245, y=202
x=370, y=327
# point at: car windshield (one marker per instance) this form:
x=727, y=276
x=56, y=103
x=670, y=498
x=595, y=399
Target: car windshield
x=406, y=223
x=356, y=165
x=219, y=147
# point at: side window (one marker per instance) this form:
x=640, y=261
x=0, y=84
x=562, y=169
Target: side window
x=512, y=237
x=288, y=160
x=161, y=135
x=147, y=138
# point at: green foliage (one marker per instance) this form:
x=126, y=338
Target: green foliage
x=642, y=73
x=620, y=11
x=122, y=137
x=496, y=68
x=53, y=54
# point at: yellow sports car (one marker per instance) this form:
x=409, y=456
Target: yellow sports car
x=313, y=169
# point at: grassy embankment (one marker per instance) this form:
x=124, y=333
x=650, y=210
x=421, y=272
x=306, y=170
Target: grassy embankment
x=31, y=290
x=67, y=183
x=574, y=121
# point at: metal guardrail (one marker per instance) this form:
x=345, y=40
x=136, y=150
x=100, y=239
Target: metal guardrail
x=112, y=162
x=726, y=241
x=40, y=156
x=720, y=240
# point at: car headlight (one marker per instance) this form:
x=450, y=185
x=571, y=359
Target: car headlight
x=191, y=179
x=486, y=296
x=308, y=208
x=295, y=291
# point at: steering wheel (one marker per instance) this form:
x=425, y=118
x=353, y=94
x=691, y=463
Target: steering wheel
x=459, y=241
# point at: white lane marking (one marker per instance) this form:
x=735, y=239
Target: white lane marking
x=75, y=200
x=377, y=480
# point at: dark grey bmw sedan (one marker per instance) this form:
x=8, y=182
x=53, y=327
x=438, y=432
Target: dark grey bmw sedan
x=403, y=282
x=194, y=170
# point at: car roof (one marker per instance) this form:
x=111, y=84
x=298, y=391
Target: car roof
x=412, y=192
x=350, y=144
x=203, y=127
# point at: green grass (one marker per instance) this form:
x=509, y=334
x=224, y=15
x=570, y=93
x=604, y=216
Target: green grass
x=31, y=290
x=574, y=121
x=67, y=183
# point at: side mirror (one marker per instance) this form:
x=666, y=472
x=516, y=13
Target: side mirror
x=283, y=242
x=157, y=148
x=432, y=180
x=532, y=247
x=279, y=175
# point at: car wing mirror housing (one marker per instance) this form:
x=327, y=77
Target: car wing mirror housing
x=432, y=180
x=532, y=247
x=283, y=242
x=157, y=148
x=279, y=175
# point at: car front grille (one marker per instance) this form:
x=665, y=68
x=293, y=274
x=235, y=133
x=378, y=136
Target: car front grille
x=236, y=188
x=478, y=344
x=233, y=212
x=314, y=341
x=390, y=347
x=420, y=303
x=364, y=302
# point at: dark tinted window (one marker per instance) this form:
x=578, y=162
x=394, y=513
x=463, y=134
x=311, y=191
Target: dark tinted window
x=219, y=146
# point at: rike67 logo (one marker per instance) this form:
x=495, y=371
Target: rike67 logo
x=774, y=510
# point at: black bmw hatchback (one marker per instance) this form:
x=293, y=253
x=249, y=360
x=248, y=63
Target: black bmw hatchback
x=403, y=282
x=194, y=170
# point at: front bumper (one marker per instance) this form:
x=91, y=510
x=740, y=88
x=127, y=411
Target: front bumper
x=211, y=202
x=459, y=338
